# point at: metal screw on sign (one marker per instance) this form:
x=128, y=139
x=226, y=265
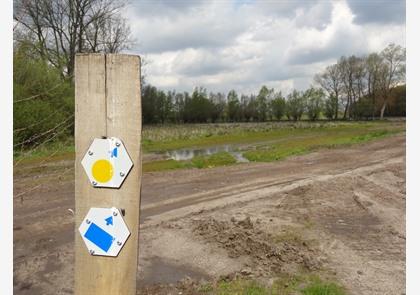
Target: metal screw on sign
x=119, y=243
x=90, y=153
x=115, y=213
x=87, y=221
x=122, y=174
x=91, y=252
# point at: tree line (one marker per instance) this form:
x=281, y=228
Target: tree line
x=356, y=87
x=199, y=106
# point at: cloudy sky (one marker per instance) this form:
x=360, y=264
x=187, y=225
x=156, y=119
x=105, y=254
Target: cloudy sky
x=243, y=44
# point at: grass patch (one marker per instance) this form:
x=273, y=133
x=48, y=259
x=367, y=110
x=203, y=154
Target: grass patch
x=164, y=165
x=240, y=287
x=298, y=146
x=218, y=159
x=323, y=288
x=304, y=284
x=215, y=160
x=54, y=151
x=205, y=288
x=372, y=135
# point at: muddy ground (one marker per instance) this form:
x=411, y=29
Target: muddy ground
x=336, y=212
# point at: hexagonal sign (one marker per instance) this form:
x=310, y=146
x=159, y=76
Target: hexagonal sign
x=107, y=162
x=104, y=231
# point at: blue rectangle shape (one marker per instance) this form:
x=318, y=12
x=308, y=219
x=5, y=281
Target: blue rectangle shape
x=99, y=237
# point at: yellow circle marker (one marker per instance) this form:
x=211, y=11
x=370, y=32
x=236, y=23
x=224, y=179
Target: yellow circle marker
x=102, y=171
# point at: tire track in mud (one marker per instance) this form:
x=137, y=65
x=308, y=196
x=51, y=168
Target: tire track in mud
x=223, y=198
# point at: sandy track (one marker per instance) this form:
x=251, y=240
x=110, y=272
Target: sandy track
x=347, y=205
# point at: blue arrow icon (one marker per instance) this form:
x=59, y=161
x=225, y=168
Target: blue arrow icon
x=114, y=153
x=109, y=221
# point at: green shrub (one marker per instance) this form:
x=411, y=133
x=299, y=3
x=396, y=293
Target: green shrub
x=43, y=102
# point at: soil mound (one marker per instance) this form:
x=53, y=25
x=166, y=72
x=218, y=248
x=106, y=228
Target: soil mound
x=267, y=254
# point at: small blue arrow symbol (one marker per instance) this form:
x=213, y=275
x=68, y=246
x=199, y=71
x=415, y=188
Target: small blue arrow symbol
x=114, y=153
x=109, y=221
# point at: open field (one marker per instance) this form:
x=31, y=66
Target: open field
x=327, y=221
x=211, y=145
x=162, y=138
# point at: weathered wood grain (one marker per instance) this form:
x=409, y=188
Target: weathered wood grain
x=108, y=103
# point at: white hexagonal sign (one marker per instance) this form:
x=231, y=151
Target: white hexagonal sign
x=104, y=231
x=107, y=162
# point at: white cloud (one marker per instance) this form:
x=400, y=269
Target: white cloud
x=244, y=44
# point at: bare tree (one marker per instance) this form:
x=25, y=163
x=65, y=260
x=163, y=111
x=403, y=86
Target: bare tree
x=359, y=77
x=394, y=62
x=353, y=77
x=330, y=81
x=346, y=76
x=58, y=29
x=376, y=75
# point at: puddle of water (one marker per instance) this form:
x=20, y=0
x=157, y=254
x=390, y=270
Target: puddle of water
x=239, y=157
x=188, y=154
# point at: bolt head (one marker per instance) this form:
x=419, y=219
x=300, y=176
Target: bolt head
x=94, y=183
x=88, y=221
x=122, y=174
x=117, y=144
x=91, y=252
x=115, y=213
x=119, y=243
x=90, y=153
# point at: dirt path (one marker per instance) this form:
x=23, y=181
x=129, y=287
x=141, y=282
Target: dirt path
x=339, y=212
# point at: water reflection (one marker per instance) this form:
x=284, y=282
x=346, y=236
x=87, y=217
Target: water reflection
x=188, y=154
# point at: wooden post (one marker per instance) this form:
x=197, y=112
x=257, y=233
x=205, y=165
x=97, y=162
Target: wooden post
x=108, y=103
